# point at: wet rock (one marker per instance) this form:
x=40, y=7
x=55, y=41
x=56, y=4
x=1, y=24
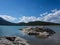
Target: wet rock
x=17, y=41
x=21, y=41
x=4, y=41
x=39, y=31
x=11, y=38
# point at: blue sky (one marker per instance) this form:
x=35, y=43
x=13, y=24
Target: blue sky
x=19, y=8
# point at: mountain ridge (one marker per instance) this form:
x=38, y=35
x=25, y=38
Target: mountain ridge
x=33, y=23
x=5, y=22
x=37, y=23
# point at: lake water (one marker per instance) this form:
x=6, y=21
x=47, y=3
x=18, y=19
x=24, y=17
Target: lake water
x=14, y=31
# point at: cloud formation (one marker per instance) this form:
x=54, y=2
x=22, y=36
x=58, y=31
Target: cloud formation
x=8, y=18
x=53, y=16
x=28, y=18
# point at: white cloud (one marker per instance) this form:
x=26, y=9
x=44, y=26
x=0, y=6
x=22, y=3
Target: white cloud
x=54, y=10
x=44, y=14
x=8, y=18
x=28, y=18
x=54, y=16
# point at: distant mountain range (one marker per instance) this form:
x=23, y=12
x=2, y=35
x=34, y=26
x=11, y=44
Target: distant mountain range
x=5, y=22
x=34, y=23
x=37, y=23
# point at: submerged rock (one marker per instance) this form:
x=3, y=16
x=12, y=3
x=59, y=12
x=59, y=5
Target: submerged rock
x=39, y=31
x=16, y=41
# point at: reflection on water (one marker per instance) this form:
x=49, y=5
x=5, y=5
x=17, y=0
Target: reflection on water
x=13, y=31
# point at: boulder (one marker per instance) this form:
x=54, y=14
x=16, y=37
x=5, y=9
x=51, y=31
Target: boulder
x=39, y=31
x=16, y=41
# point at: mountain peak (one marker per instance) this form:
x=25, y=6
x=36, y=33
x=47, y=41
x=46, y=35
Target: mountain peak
x=5, y=22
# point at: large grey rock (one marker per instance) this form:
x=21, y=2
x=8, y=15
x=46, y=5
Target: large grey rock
x=16, y=41
x=39, y=31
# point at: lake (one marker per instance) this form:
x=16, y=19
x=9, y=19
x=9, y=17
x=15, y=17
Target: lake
x=14, y=31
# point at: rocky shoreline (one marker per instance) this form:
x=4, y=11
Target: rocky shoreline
x=41, y=32
x=36, y=31
x=13, y=41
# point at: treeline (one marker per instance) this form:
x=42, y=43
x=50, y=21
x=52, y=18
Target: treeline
x=37, y=23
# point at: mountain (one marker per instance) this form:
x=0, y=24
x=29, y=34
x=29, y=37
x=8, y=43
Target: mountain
x=5, y=22
x=33, y=23
x=37, y=23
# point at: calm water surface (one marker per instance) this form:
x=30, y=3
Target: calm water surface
x=14, y=31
